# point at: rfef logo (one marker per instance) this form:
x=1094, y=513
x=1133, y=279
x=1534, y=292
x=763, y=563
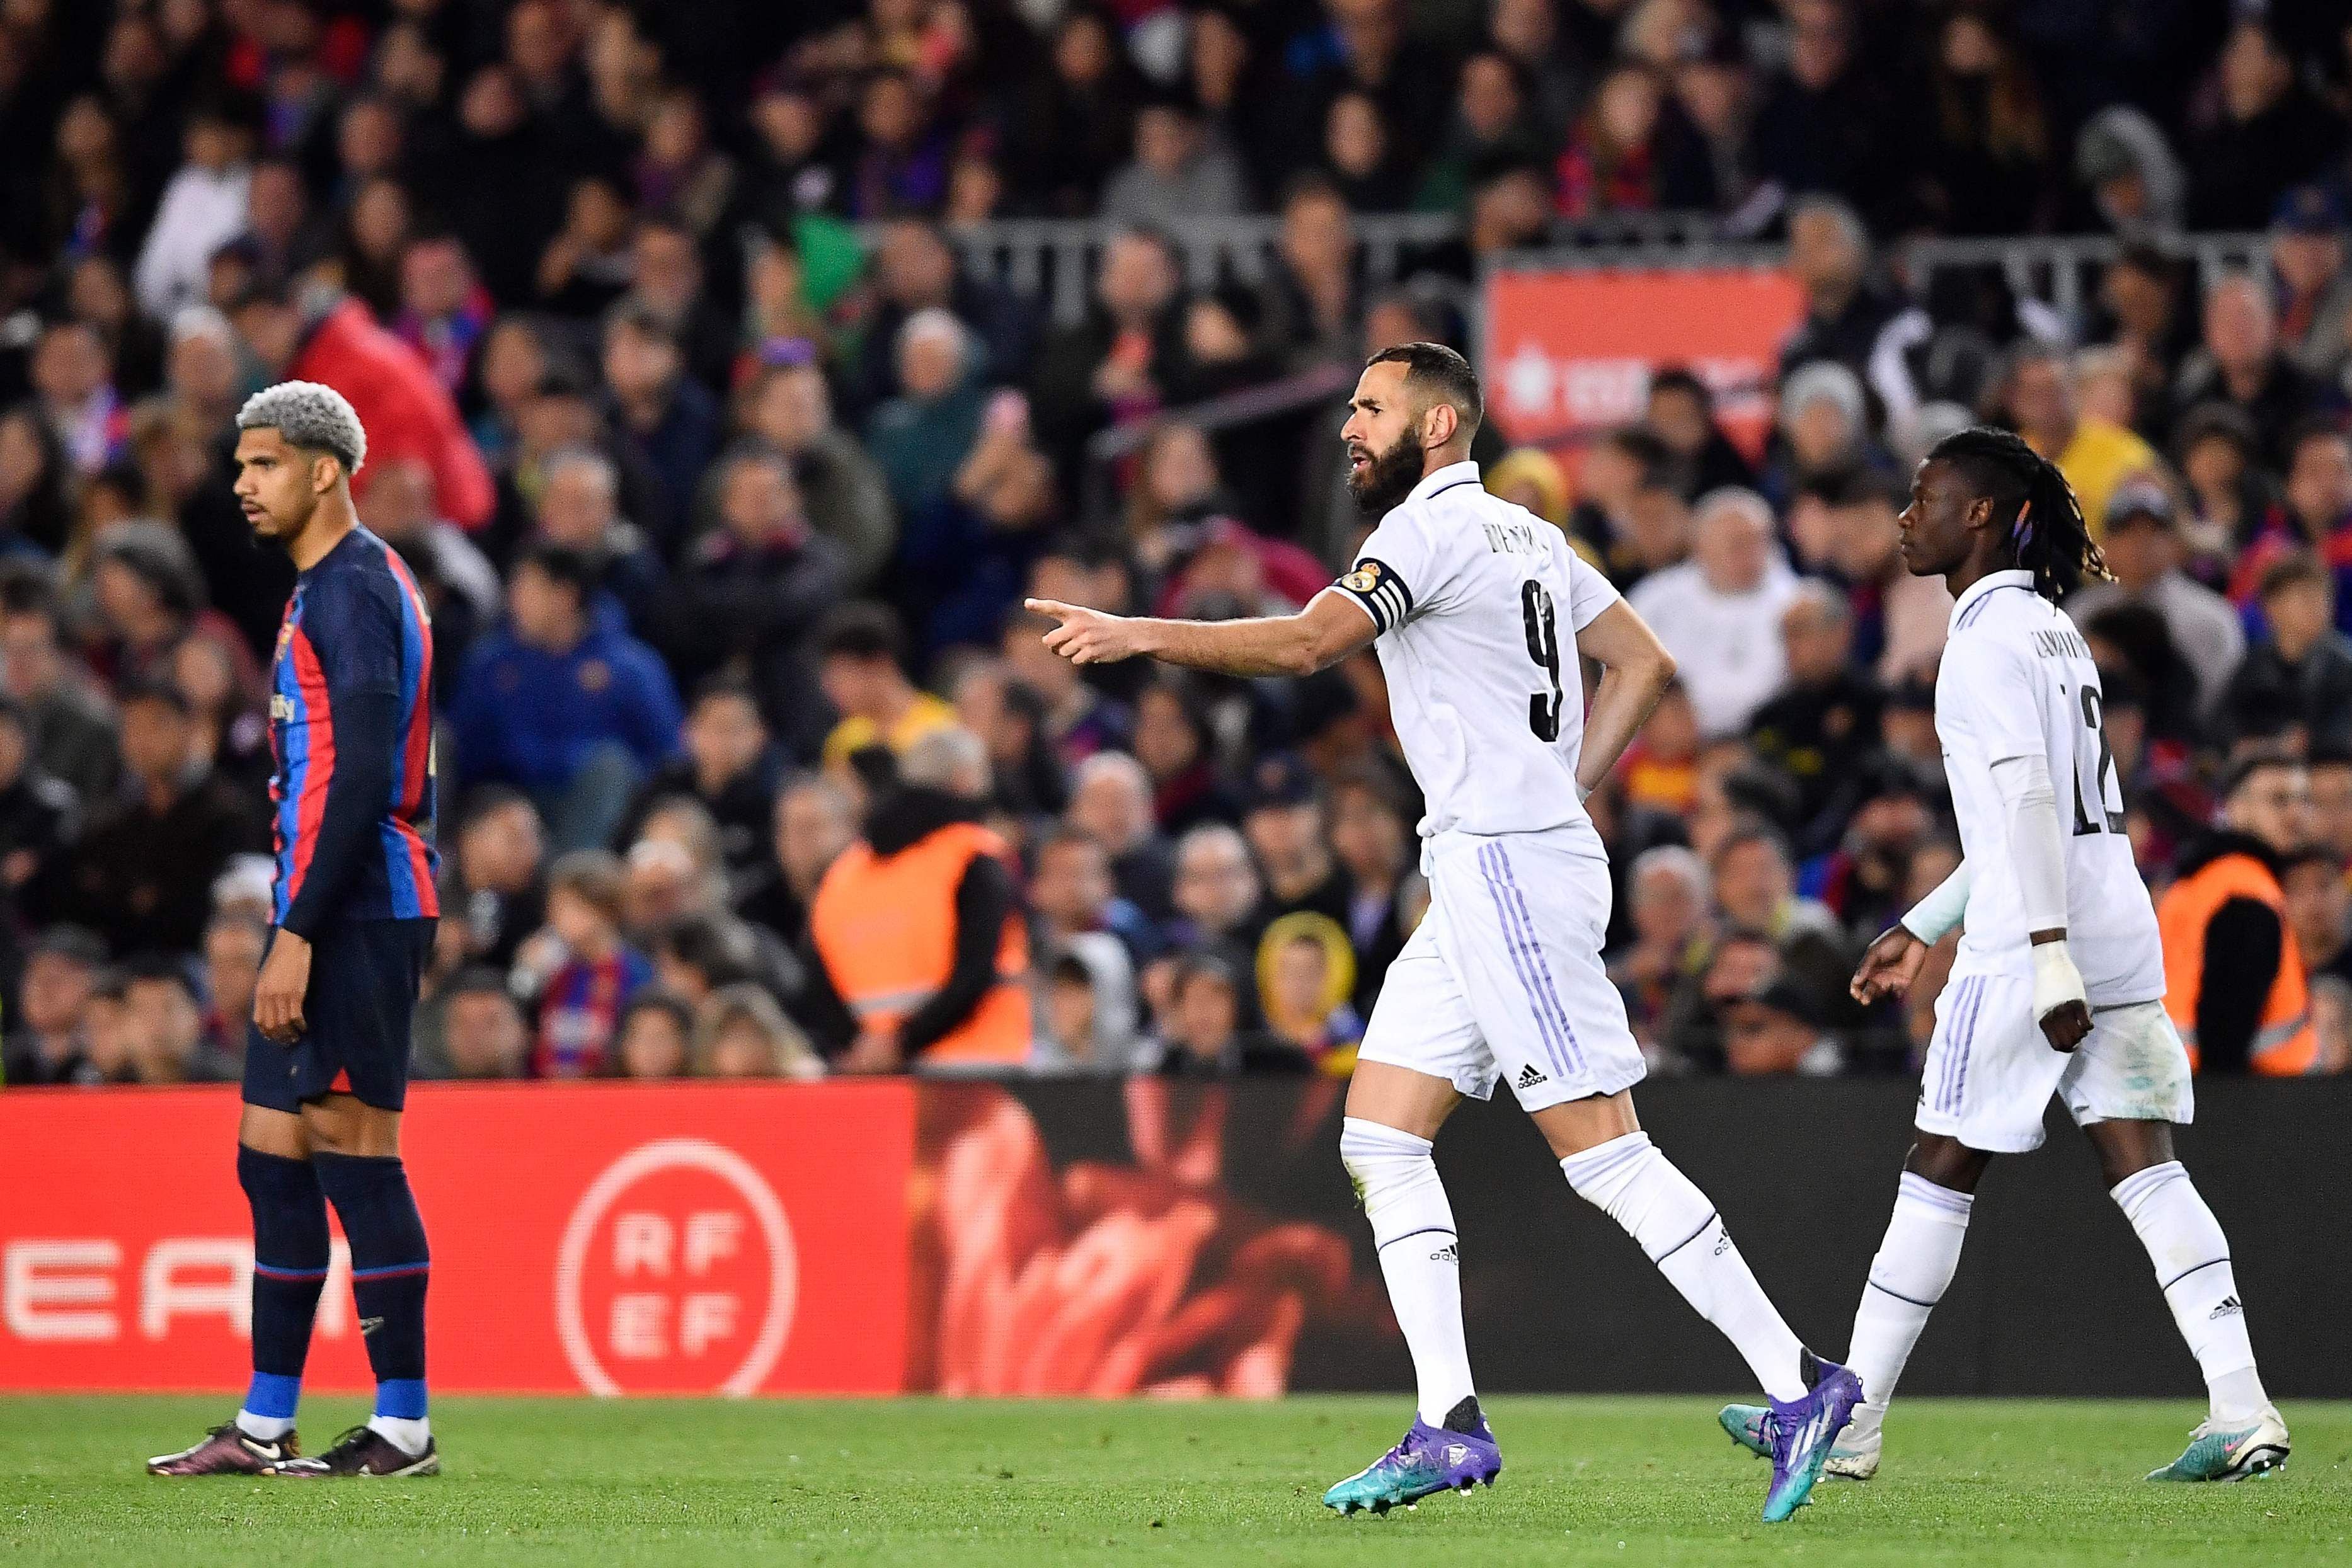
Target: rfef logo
x=677, y=1274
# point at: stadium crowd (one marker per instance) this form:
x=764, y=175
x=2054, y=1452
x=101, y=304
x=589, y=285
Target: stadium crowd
x=725, y=479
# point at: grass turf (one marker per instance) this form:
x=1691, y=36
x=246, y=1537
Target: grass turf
x=1586, y=1481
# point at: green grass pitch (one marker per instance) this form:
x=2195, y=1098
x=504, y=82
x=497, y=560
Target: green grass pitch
x=923, y=1481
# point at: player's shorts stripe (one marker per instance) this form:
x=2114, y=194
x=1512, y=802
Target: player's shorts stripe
x=1960, y=1058
x=1543, y=964
x=1541, y=992
x=1519, y=965
x=1951, y=1044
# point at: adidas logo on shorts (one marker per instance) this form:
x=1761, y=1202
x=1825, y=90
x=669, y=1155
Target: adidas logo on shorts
x=1529, y=1077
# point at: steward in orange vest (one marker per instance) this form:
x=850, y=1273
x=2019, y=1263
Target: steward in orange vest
x=2235, y=984
x=915, y=929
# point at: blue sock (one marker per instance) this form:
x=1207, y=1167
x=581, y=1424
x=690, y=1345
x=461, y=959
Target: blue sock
x=289, y=1269
x=389, y=1267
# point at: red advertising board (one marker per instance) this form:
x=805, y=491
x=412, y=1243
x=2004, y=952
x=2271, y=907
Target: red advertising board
x=1571, y=354
x=612, y=1238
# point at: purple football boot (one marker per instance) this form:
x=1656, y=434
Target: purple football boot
x=1803, y=1431
x=1454, y=1457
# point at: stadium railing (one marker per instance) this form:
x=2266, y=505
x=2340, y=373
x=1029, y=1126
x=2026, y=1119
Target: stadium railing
x=1054, y=259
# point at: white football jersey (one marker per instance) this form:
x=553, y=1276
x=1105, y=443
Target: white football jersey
x=2017, y=679
x=1478, y=603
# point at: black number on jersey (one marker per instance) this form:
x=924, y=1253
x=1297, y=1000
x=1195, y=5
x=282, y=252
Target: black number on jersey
x=2090, y=821
x=1543, y=647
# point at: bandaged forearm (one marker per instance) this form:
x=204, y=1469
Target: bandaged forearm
x=1934, y=917
x=2036, y=846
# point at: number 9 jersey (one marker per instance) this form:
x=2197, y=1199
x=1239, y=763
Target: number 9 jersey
x=2018, y=680
x=1478, y=602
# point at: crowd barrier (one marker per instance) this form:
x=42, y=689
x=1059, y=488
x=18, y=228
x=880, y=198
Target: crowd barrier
x=1110, y=1239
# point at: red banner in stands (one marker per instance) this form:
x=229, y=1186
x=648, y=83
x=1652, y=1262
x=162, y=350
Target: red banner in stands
x=612, y=1239
x=1571, y=354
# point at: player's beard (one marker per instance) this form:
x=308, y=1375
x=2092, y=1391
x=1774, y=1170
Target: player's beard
x=1387, y=478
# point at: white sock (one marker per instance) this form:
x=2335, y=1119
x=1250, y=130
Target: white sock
x=1909, y=1276
x=409, y=1437
x=2192, y=1265
x=1413, y=1225
x=268, y=1428
x=1631, y=1181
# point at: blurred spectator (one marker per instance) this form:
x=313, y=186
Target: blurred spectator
x=1862, y=879
x=1112, y=368
x=665, y=419
x=2301, y=674
x=35, y=509
x=665, y=280
x=743, y=1034
x=1373, y=838
x=1110, y=802
x=46, y=1042
x=915, y=270
x=787, y=405
x=444, y=311
x=1680, y=412
x=1079, y=916
x=1776, y=1030
x=1173, y=742
x=1182, y=169
x=235, y=945
x=657, y=1038
x=2143, y=552
x=1668, y=901
x=579, y=510
x=861, y=669
x=1306, y=975
x=1204, y=1035
x=482, y=1032
x=144, y=869
x=1073, y=126
x=921, y=437
x=1217, y=890
x=163, y=1027
x=1719, y=613
x=570, y=711
x=2318, y=495
x=1756, y=892
x=2268, y=132
x=917, y=928
x=2138, y=185
x=2307, y=257
x=73, y=380
x=1822, y=435
x=1987, y=163
x=39, y=816
x=1287, y=825
x=1311, y=304
x=1845, y=310
x=728, y=766
x=2318, y=910
x=491, y=894
x=2241, y=364
x=1080, y=721
x=1825, y=721
x=2039, y=398
x=202, y=209
x=578, y=972
x=813, y=822
x=748, y=593
x=1632, y=151
x=1079, y=1029
x=2234, y=981
x=148, y=595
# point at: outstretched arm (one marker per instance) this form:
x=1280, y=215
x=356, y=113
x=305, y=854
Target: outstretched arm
x=1634, y=670
x=1329, y=629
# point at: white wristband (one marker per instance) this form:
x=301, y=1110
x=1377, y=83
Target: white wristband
x=2056, y=981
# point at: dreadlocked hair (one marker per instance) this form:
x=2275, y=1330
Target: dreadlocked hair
x=2031, y=499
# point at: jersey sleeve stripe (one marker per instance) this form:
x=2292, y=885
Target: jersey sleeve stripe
x=318, y=774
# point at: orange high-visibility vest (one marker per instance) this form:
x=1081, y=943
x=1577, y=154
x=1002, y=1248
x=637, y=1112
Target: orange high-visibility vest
x=2284, y=1043
x=884, y=929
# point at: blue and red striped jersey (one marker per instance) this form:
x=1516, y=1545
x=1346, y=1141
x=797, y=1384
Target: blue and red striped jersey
x=351, y=727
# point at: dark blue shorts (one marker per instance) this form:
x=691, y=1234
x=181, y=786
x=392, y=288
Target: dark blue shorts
x=361, y=1001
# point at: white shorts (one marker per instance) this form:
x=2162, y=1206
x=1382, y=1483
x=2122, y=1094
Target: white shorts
x=1503, y=978
x=1990, y=1072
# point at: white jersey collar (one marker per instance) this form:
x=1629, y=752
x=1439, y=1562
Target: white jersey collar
x=1451, y=474
x=2015, y=577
